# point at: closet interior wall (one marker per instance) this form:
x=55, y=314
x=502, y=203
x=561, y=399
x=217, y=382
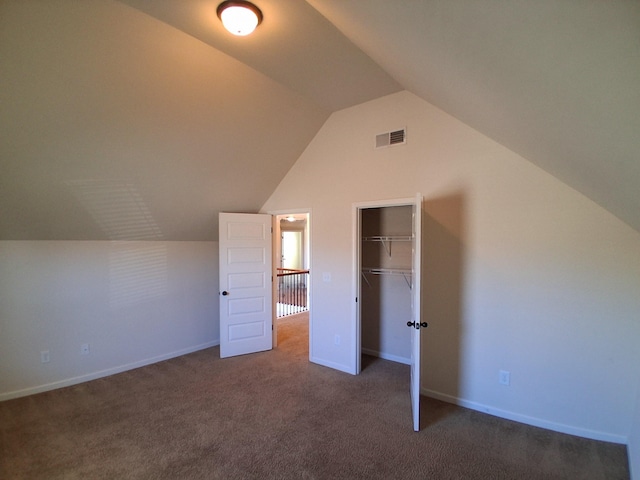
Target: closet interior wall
x=385, y=288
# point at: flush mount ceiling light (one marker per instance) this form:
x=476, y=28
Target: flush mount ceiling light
x=239, y=17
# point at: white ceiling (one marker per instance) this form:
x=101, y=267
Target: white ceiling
x=294, y=45
x=141, y=119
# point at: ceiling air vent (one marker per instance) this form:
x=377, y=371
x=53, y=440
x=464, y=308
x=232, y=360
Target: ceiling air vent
x=388, y=139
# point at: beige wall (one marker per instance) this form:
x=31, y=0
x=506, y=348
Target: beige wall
x=520, y=272
x=134, y=303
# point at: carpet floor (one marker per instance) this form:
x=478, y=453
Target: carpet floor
x=275, y=415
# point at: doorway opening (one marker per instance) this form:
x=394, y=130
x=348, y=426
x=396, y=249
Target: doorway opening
x=291, y=262
x=387, y=257
x=385, y=299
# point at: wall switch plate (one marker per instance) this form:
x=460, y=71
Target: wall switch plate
x=326, y=277
x=84, y=349
x=504, y=377
x=44, y=356
x=336, y=340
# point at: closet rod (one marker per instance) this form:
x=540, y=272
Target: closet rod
x=406, y=273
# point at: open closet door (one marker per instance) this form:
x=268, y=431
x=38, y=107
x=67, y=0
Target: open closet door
x=416, y=321
x=246, y=307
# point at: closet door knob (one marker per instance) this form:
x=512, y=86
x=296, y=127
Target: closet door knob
x=417, y=325
x=225, y=293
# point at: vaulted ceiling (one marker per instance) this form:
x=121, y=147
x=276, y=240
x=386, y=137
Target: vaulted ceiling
x=141, y=119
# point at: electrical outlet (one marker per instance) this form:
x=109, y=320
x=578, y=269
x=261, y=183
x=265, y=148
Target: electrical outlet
x=504, y=377
x=44, y=356
x=336, y=340
x=84, y=349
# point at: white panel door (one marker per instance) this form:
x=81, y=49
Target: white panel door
x=246, y=305
x=417, y=317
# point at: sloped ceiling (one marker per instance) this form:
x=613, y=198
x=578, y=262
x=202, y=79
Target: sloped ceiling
x=557, y=81
x=116, y=125
x=141, y=119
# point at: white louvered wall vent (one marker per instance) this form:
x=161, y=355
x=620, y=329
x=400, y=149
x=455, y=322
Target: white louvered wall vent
x=389, y=139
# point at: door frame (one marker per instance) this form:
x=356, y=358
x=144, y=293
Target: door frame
x=357, y=284
x=276, y=254
x=416, y=265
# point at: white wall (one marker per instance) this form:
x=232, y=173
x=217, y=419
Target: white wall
x=520, y=272
x=133, y=302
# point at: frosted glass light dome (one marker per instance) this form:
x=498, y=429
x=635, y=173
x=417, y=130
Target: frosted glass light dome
x=239, y=17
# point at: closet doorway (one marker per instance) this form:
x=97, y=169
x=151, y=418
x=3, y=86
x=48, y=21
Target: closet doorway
x=388, y=320
x=292, y=254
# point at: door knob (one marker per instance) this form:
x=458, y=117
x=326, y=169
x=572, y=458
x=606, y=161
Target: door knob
x=417, y=325
x=225, y=293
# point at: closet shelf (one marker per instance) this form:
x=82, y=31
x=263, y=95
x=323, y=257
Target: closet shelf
x=405, y=272
x=386, y=240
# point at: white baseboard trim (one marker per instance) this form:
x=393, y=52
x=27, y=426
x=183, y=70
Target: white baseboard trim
x=386, y=356
x=533, y=421
x=103, y=373
x=335, y=366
